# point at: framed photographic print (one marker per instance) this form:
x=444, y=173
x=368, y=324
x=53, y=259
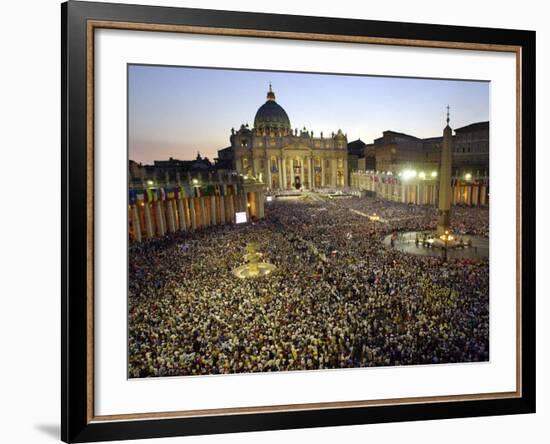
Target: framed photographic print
x=276, y=221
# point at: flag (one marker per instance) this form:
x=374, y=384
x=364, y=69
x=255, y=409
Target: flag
x=132, y=198
x=188, y=191
x=180, y=193
x=161, y=194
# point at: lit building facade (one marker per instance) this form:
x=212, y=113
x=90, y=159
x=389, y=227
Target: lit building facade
x=287, y=159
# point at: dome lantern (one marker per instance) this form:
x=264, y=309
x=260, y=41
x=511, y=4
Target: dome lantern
x=270, y=93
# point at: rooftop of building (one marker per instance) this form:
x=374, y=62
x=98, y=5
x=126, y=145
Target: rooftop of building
x=473, y=127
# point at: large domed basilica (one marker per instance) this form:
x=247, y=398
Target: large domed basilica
x=284, y=158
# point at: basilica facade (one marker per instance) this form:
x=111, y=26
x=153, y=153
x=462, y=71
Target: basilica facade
x=287, y=159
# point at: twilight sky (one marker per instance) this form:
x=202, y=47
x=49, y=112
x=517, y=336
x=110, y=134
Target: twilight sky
x=175, y=111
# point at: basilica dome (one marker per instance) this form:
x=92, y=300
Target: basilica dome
x=271, y=116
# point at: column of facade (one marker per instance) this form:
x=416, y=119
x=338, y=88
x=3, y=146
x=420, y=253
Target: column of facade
x=310, y=172
x=280, y=171
x=136, y=223
x=333, y=171
x=170, y=216
x=346, y=174
x=231, y=208
x=163, y=206
x=426, y=194
x=203, y=212
x=244, y=204
x=193, y=213
x=483, y=195
x=254, y=165
x=222, y=209
x=213, y=215
x=187, y=202
x=284, y=174
x=148, y=220
x=269, y=181
x=475, y=195
x=257, y=204
x=181, y=215
x=261, y=208
x=159, y=219
x=323, y=170
x=163, y=215
x=302, y=175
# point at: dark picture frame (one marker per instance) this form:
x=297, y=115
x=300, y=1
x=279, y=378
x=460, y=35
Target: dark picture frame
x=79, y=20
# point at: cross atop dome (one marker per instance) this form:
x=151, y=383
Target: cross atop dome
x=448, y=108
x=270, y=93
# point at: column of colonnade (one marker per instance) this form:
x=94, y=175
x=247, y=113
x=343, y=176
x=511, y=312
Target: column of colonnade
x=420, y=192
x=155, y=217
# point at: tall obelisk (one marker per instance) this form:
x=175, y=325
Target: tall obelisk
x=444, y=207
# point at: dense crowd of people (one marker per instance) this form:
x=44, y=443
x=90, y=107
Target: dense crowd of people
x=339, y=297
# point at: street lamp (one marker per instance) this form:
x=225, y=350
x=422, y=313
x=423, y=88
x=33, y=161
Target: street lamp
x=446, y=237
